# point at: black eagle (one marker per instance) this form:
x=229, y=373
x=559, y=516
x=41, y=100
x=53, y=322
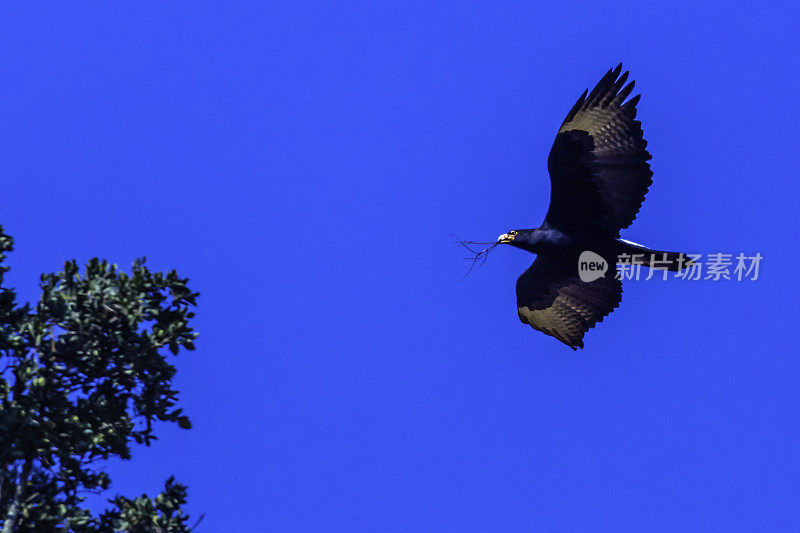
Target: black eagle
x=599, y=175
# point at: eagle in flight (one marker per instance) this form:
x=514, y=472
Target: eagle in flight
x=599, y=175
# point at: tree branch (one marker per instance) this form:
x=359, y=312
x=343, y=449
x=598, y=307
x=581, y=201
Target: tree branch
x=10, y=523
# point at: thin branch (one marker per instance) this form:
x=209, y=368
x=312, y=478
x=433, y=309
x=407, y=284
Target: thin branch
x=479, y=256
x=11, y=522
x=198, y=522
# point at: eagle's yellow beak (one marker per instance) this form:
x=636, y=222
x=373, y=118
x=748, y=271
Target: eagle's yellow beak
x=505, y=238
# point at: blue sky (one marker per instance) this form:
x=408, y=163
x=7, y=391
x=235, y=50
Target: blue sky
x=305, y=165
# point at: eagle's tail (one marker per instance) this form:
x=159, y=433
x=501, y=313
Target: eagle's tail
x=630, y=252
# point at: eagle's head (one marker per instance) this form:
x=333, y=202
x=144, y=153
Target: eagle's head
x=518, y=238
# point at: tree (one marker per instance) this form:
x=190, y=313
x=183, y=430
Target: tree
x=83, y=374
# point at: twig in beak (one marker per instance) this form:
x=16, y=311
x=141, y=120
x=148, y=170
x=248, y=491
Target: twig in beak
x=478, y=256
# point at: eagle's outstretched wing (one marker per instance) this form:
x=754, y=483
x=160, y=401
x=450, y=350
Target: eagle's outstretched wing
x=598, y=166
x=553, y=299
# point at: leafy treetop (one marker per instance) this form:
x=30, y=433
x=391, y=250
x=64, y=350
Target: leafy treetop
x=85, y=374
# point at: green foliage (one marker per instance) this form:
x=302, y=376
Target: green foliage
x=83, y=376
x=142, y=515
